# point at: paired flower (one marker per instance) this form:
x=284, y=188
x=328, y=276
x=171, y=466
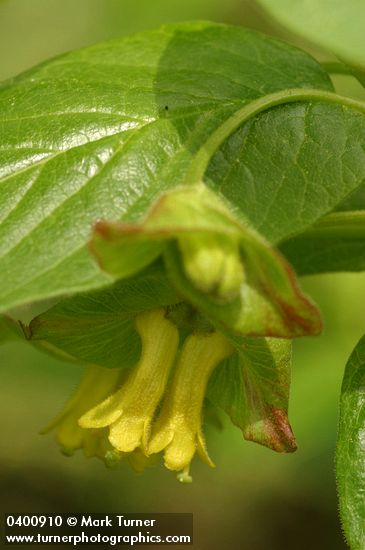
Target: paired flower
x=229, y=288
x=121, y=423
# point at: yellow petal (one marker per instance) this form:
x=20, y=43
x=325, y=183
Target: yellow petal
x=69, y=436
x=105, y=413
x=179, y=453
x=96, y=383
x=138, y=461
x=202, y=450
x=126, y=433
x=90, y=443
x=160, y=439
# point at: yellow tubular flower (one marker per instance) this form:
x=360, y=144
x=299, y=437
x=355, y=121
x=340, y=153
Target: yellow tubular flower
x=129, y=411
x=178, y=429
x=95, y=385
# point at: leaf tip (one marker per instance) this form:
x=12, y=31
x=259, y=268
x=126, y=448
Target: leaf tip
x=273, y=432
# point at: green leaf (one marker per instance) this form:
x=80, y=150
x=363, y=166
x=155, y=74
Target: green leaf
x=350, y=455
x=286, y=168
x=355, y=201
x=224, y=268
x=98, y=327
x=333, y=24
x=253, y=388
x=97, y=133
x=335, y=243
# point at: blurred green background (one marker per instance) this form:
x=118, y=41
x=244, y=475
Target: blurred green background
x=254, y=499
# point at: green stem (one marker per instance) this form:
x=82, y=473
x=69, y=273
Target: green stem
x=350, y=224
x=336, y=67
x=202, y=158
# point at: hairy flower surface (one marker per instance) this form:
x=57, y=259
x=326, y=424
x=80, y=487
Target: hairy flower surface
x=129, y=411
x=178, y=430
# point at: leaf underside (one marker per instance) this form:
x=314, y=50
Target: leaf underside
x=335, y=243
x=253, y=388
x=98, y=327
